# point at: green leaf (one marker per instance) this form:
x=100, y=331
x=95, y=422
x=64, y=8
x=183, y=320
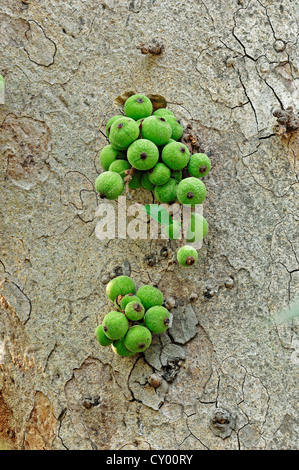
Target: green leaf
x=287, y=315
x=158, y=213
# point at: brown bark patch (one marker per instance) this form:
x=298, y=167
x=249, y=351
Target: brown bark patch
x=42, y=424
x=7, y=431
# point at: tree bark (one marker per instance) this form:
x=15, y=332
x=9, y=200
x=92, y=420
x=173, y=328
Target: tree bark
x=228, y=368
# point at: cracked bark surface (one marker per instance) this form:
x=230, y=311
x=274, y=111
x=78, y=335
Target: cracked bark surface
x=225, y=69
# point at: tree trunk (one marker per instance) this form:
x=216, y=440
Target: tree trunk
x=229, y=366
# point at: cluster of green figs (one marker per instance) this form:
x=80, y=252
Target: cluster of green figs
x=145, y=146
x=136, y=316
x=145, y=151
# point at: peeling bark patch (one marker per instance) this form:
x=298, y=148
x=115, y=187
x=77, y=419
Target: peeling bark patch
x=7, y=433
x=240, y=400
x=141, y=386
x=250, y=437
x=17, y=299
x=42, y=424
x=40, y=49
x=285, y=75
x=184, y=327
x=99, y=423
x=25, y=142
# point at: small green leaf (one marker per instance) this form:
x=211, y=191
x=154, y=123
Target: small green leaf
x=2, y=89
x=287, y=315
x=158, y=213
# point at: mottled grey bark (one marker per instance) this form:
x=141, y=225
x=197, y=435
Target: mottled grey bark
x=229, y=371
